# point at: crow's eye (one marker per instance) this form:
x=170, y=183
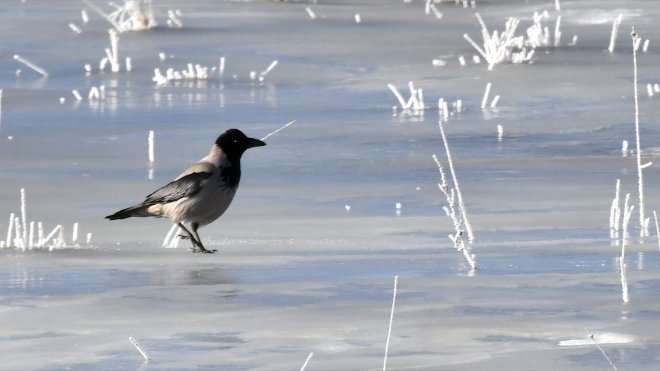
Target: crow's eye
x=235, y=140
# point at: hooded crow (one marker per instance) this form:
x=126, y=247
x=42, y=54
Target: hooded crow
x=202, y=192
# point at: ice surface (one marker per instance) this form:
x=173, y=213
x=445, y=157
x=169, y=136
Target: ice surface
x=298, y=271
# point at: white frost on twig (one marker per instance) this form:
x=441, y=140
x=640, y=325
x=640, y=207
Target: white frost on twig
x=643, y=221
x=306, y=361
x=33, y=66
x=139, y=348
x=389, y=331
x=602, y=351
x=615, y=30
x=627, y=213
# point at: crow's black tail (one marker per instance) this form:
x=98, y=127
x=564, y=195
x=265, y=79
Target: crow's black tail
x=137, y=210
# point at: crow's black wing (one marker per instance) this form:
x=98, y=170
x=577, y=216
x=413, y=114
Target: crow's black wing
x=185, y=186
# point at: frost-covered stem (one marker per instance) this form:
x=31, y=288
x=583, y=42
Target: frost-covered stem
x=60, y=239
x=74, y=234
x=477, y=47
x=640, y=173
x=18, y=241
x=413, y=101
x=484, y=100
x=466, y=253
x=33, y=66
x=450, y=210
x=627, y=213
x=113, y=54
x=139, y=349
x=10, y=229
x=170, y=235
x=221, y=69
x=398, y=96
x=105, y=16
x=493, y=104
x=420, y=99
x=615, y=210
x=306, y=361
x=310, y=12
x=268, y=69
x=389, y=331
x=657, y=227
x=557, y=31
x=51, y=235
x=151, y=146
x=278, y=130
x=615, y=30
x=23, y=215
x=40, y=233
x=461, y=205
x=602, y=351
x=31, y=236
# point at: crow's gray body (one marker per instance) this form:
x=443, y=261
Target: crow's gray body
x=202, y=192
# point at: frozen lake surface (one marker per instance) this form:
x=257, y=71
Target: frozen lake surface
x=297, y=270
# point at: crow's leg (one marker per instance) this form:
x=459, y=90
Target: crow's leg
x=197, y=246
x=195, y=226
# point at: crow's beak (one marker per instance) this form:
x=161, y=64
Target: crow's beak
x=255, y=143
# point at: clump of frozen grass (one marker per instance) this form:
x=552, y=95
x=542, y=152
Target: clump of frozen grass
x=538, y=34
x=389, y=331
x=505, y=46
x=198, y=72
x=415, y=104
x=25, y=235
x=501, y=47
x=194, y=72
x=132, y=15
x=643, y=221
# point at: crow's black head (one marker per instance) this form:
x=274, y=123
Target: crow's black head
x=233, y=143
